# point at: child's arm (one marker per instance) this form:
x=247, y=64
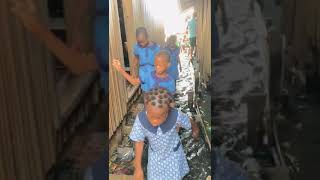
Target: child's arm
x=195, y=129
x=73, y=60
x=138, y=172
x=185, y=122
x=135, y=66
x=133, y=80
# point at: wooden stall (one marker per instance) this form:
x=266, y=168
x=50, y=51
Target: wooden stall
x=203, y=9
x=27, y=130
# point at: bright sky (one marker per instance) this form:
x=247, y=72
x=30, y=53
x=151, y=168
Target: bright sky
x=168, y=12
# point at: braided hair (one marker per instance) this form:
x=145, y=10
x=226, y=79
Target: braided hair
x=158, y=97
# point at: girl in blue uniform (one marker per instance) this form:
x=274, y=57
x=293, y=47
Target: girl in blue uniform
x=158, y=124
x=151, y=78
x=174, y=52
x=144, y=53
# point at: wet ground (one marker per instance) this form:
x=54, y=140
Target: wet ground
x=198, y=153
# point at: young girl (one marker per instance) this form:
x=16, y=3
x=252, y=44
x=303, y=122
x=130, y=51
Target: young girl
x=144, y=52
x=174, y=52
x=158, y=123
x=158, y=77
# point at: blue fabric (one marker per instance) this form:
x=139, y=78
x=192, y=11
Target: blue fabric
x=192, y=28
x=98, y=170
x=150, y=81
x=101, y=42
x=146, y=57
x=173, y=69
x=166, y=158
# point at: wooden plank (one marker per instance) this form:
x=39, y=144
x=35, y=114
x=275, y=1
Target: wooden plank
x=120, y=177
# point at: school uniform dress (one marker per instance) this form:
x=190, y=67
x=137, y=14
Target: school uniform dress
x=173, y=69
x=146, y=57
x=166, y=157
x=151, y=81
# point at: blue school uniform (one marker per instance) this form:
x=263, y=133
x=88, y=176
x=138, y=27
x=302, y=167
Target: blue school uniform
x=166, y=158
x=146, y=57
x=174, y=55
x=150, y=81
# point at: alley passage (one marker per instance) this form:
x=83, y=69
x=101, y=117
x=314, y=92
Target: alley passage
x=198, y=153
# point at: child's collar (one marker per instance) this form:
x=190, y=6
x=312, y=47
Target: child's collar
x=165, y=127
x=159, y=79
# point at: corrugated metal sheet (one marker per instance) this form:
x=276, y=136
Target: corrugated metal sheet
x=117, y=87
x=26, y=118
x=143, y=17
x=203, y=9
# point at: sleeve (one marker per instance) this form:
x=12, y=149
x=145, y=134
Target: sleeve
x=137, y=131
x=183, y=120
x=136, y=50
x=172, y=87
x=158, y=48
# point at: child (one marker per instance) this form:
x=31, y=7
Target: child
x=159, y=77
x=158, y=123
x=174, y=52
x=144, y=51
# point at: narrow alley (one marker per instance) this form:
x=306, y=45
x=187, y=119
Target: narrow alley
x=191, y=88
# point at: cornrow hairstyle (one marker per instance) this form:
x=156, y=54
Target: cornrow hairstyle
x=165, y=54
x=141, y=30
x=158, y=97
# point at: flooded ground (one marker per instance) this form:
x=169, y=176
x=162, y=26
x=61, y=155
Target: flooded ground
x=198, y=153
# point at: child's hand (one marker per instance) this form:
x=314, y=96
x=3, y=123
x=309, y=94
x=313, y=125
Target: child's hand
x=116, y=64
x=178, y=127
x=195, y=130
x=138, y=174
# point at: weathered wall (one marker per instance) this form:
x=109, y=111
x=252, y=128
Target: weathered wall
x=27, y=100
x=118, y=94
x=203, y=9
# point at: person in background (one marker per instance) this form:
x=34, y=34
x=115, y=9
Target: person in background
x=192, y=31
x=174, y=52
x=158, y=123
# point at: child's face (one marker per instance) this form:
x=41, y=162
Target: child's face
x=172, y=42
x=142, y=40
x=161, y=64
x=157, y=115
